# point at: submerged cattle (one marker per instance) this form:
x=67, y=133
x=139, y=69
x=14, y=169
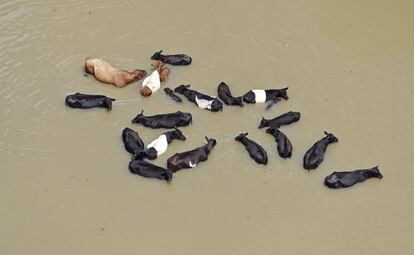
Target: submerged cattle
x=149, y=170
x=169, y=120
x=225, y=95
x=256, y=151
x=272, y=103
x=284, y=146
x=150, y=84
x=190, y=159
x=315, y=155
x=85, y=101
x=177, y=59
x=201, y=100
x=174, y=97
x=338, y=180
x=284, y=119
x=264, y=95
x=132, y=142
x=160, y=145
x=162, y=69
x=106, y=73
x=153, y=82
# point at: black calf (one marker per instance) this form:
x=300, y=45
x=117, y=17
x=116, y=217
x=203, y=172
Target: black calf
x=201, y=100
x=149, y=170
x=169, y=120
x=338, y=180
x=256, y=151
x=261, y=96
x=176, y=60
x=315, y=155
x=170, y=92
x=132, y=142
x=190, y=159
x=284, y=119
x=85, y=101
x=284, y=146
x=224, y=94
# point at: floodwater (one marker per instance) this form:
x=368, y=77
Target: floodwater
x=65, y=187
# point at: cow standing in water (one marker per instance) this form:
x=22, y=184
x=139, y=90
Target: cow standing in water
x=284, y=119
x=315, y=155
x=160, y=145
x=255, y=151
x=225, y=95
x=190, y=159
x=201, y=100
x=85, y=101
x=174, y=97
x=284, y=146
x=263, y=95
x=338, y=180
x=132, y=142
x=106, y=73
x=169, y=120
x=176, y=59
x=153, y=82
x=149, y=170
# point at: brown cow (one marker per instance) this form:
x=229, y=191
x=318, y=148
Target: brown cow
x=106, y=73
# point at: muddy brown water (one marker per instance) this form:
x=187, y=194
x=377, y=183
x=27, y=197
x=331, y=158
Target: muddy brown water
x=64, y=182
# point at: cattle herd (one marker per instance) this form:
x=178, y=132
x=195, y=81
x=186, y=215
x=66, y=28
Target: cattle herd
x=140, y=154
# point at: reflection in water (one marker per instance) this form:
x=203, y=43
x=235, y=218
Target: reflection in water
x=65, y=185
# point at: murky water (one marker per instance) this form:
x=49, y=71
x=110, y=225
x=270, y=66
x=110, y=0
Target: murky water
x=64, y=182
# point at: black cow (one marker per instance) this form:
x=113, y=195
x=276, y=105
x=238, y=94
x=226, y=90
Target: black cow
x=224, y=94
x=159, y=145
x=338, y=180
x=256, y=151
x=190, y=159
x=284, y=146
x=169, y=120
x=170, y=92
x=201, y=100
x=176, y=60
x=315, y=155
x=264, y=95
x=150, y=170
x=284, y=119
x=85, y=101
x=132, y=142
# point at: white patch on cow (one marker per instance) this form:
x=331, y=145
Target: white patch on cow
x=192, y=164
x=260, y=95
x=160, y=144
x=153, y=81
x=204, y=103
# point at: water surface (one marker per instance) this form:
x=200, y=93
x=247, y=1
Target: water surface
x=64, y=181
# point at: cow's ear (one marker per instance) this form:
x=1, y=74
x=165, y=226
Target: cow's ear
x=187, y=86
